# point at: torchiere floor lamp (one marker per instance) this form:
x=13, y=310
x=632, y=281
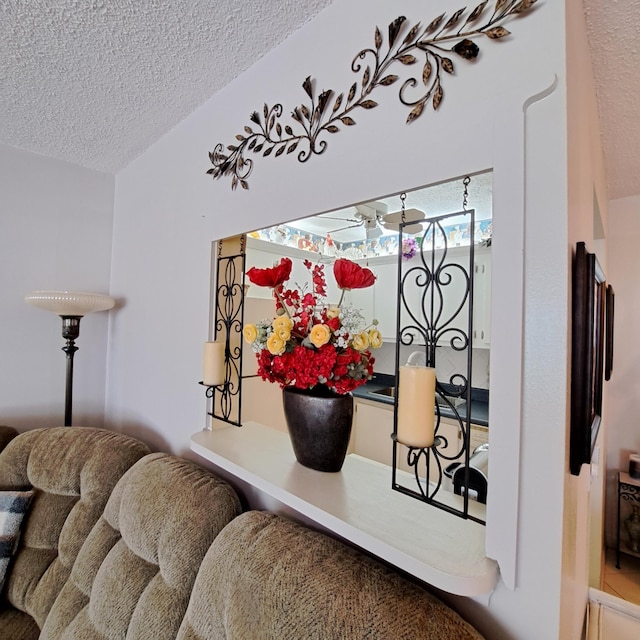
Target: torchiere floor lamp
x=71, y=306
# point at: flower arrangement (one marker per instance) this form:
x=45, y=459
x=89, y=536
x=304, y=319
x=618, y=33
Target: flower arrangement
x=310, y=342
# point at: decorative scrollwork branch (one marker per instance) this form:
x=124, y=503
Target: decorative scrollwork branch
x=441, y=37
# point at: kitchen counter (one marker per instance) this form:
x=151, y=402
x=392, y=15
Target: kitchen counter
x=479, y=399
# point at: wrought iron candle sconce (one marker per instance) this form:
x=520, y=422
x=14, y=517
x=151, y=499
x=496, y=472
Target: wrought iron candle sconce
x=225, y=398
x=435, y=309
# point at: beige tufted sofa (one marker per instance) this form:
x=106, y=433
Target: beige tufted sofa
x=73, y=472
x=121, y=543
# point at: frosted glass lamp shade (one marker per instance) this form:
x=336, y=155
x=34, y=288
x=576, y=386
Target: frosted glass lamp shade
x=70, y=303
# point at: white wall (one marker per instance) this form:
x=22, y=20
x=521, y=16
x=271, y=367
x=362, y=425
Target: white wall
x=623, y=403
x=161, y=269
x=55, y=233
x=583, y=494
x=624, y=273
x=502, y=112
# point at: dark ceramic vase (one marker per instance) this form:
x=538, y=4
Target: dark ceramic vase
x=319, y=423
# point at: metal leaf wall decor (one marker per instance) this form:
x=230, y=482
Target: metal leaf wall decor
x=428, y=48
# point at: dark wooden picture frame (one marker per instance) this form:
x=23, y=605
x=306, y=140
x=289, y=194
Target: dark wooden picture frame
x=587, y=355
x=608, y=353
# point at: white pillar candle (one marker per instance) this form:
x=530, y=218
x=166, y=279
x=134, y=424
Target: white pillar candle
x=213, y=363
x=416, y=400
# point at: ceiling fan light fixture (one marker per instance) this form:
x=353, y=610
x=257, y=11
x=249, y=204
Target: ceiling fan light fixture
x=373, y=231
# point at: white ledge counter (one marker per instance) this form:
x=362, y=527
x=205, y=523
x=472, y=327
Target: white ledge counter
x=358, y=505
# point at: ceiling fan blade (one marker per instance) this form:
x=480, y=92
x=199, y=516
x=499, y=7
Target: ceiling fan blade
x=337, y=218
x=408, y=228
x=410, y=215
x=351, y=226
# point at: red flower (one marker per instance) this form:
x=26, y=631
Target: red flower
x=271, y=277
x=319, y=283
x=304, y=321
x=308, y=300
x=302, y=364
x=350, y=275
x=333, y=323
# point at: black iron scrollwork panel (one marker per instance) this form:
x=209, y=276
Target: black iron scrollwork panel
x=436, y=291
x=630, y=493
x=435, y=310
x=229, y=318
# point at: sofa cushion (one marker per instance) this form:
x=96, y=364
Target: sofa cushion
x=134, y=574
x=267, y=578
x=72, y=471
x=17, y=625
x=13, y=507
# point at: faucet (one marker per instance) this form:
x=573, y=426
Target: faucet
x=417, y=357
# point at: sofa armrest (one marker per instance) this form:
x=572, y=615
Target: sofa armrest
x=72, y=471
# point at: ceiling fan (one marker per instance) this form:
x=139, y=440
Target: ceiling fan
x=374, y=218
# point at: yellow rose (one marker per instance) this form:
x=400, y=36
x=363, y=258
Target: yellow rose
x=360, y=342
x=282, y=322
x=375, y=339
x=320, y=334
x=250, y=332
x=284, y=334
x=333, y=312
x=275, y=345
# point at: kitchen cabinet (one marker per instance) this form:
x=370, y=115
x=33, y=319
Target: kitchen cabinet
x=479, y=435
x=372, y=429
x=262, y=402
x=362, y=299
x=482, y=299
x=373, y=426
x=380, y=301
x=385, y=295
x=386, y=292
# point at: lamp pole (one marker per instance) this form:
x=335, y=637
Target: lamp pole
x=70, y=331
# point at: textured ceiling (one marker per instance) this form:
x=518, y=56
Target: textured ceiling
x=95, y=82
x=613, y=29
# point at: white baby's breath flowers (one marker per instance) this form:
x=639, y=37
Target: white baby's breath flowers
x=352, y=319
